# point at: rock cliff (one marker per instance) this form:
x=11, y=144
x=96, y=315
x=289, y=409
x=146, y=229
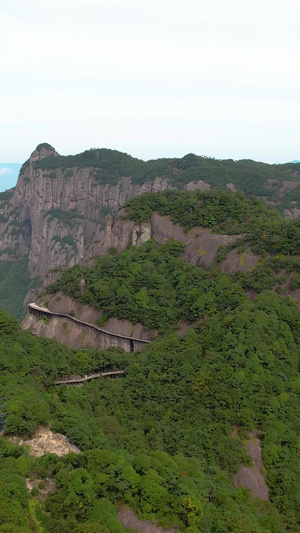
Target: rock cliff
x=201, y=244
x=55, y=217
x=77, y=335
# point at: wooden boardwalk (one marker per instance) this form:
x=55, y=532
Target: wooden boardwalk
x=35, y=309
x=88, y=377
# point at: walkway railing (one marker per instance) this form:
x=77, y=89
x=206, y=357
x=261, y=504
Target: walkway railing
x=34, y=309
x=88, y=377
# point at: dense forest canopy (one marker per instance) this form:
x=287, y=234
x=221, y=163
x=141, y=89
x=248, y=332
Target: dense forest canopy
x=160, y=439
x=224, y=212
x=263, y=231
x=152, y=284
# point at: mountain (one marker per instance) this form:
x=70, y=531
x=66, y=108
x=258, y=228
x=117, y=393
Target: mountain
x=56, y=216
x=173, y=402
x=123, y=293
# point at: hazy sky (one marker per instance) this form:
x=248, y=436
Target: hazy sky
x=153, y=79
x=8, y=175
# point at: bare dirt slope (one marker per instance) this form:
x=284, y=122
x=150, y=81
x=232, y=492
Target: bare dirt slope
x=129, y=520
x=46, y=441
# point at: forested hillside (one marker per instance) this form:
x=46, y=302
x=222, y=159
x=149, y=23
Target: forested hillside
x=169, y=437
x=160, y=439
x=155, y=285
x=152, y=285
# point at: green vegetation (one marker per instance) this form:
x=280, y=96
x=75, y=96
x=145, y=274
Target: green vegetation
x=152, y=285
x=168, y=437
x=224, y=212
x=109, y=165
x=67, y=241
x=249, y=176
x=159, y=439
x=47, y=146
x=68, y=218
x=5, y=196
x=275, y=239
x=14, y=283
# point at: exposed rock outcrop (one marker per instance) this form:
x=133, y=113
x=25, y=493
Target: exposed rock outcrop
x=240, y=261
x=201, y=244
x=129, y=519
x=293, y=212
x=77, y=335
x=46, y=441
x=56, y=215
x=252, y=477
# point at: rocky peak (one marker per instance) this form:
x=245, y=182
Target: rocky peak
x=43, y=150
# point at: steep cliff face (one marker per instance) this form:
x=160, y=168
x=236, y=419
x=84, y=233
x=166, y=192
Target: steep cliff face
x=201, y=244
x=55, y=217
x=77, y=335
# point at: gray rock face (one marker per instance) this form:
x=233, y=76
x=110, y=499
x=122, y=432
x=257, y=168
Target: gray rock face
x=201, y=245
x=78, y=335
x=129, y=519
x=292, y=213
x=252, y=477
x=55, y=218
x=58, y=218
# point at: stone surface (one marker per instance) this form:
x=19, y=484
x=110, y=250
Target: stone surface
x=60, y=303
x=231, y=187
x=252, y=477
x=201, y=244
x=235, y=262
x=46, y=441
x=195, y=185
x=130, y=520
x=56, y=217
x=77, y=335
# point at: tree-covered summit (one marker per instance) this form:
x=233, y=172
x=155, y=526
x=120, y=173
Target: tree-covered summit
x=251, y=177
x=155, y=286
x=222, y=211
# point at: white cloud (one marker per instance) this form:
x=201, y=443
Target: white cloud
x=4, y=171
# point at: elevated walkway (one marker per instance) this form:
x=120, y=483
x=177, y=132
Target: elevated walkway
x=130, y=344
x=70, y=381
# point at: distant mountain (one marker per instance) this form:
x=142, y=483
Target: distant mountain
x=295, y=161
x=8, y=175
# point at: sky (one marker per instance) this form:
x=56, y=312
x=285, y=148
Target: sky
x=8, y=175
x=152, y=79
